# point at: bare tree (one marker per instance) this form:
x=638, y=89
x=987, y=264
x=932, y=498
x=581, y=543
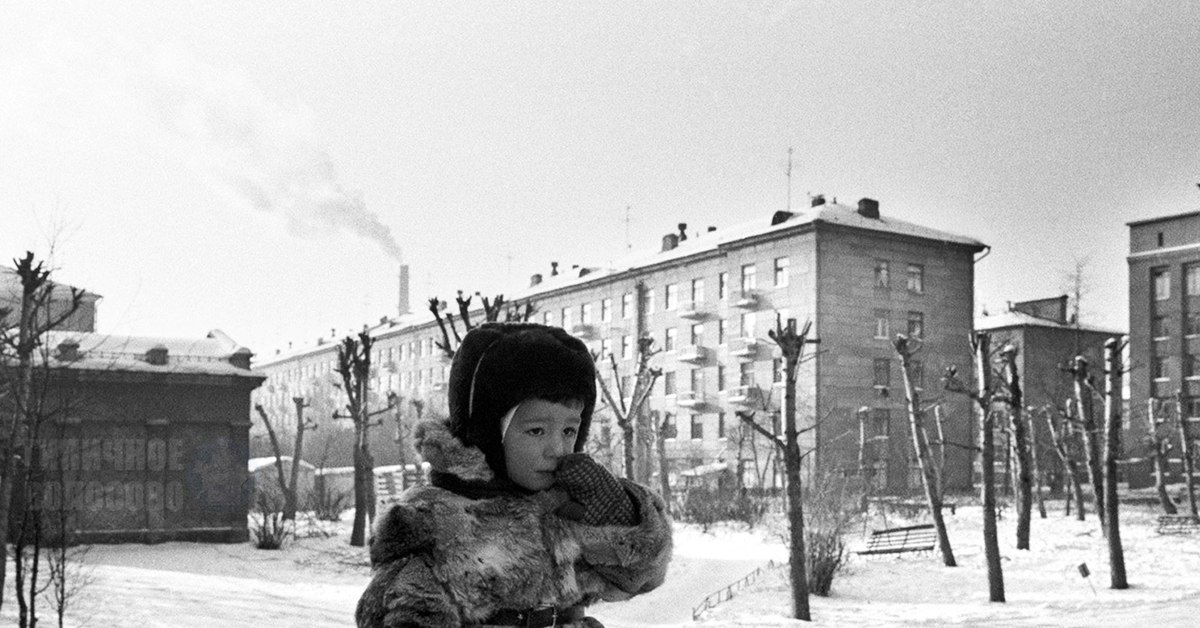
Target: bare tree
x=288, y=483
x=1112, y=411
x=1091, y=432
x=791, y=343
x=1015, y=400
x=1185, y=451
x=628, y=414
x=905, y=348
x=983, y=395
x=354, y=365
x=492, y=309
x=1060, y=431
x=23, y=412
x=1159, y=444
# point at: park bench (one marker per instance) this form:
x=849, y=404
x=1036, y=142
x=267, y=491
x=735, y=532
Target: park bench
x=1178, y=524
x=922, y=538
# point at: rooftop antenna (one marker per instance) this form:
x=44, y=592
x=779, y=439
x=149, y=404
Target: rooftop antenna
x=628, y=246
x=789, y=179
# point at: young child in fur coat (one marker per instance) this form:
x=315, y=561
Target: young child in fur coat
x=518, y=528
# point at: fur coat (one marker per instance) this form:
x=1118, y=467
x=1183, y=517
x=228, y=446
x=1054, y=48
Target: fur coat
x=441, y=559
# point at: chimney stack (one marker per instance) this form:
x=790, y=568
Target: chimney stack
x=818, y=200
x=553, y=269
x=535, y=279
x=868, y=208
x=670, y=241
x=682, y=231
x=403, y=306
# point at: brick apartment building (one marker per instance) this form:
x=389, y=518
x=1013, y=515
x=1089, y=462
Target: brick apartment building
x=1164, y=323
x=708, y=299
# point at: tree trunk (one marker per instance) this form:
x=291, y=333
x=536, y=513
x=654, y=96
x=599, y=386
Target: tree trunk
x=987, y=452
x=1034, y=459
x=664, y=466
x=921, y=445
x=1112, y=411
x=358, y=534
x=1091, y=436
x=1020, y=445
x=1158, y=453
x=628, y=444
x=1185, y=451
x=289, y=507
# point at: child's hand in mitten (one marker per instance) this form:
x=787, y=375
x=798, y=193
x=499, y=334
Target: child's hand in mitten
x=597, y=498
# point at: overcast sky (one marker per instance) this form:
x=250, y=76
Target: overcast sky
x=262, y=167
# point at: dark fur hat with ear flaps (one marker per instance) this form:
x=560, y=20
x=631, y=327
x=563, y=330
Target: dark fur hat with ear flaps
x=499, y=365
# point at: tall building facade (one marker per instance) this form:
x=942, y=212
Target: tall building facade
x=1164, y=322
x=708, y=300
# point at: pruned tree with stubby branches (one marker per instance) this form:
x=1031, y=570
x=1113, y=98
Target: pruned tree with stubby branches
x=288, y=482
x=983, y=394
x=1014, y=399
x=905, y=348
x=493, y=308
x=629, y=414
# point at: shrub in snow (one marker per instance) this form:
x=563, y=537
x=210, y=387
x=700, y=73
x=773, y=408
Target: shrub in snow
x=267, y=524
x=326, y=503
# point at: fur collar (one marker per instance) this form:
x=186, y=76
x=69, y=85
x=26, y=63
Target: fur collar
x=446, y=454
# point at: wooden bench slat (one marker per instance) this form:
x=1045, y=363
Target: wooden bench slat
x=919, y=538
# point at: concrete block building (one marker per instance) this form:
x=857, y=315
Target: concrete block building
x=708, y=298
x=1164, y=323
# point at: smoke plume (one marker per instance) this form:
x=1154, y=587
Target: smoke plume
x=267, y=155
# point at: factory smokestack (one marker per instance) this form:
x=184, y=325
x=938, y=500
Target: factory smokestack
x=403, y=305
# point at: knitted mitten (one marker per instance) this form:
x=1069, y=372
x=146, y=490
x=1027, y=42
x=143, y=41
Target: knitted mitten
x=597, y=498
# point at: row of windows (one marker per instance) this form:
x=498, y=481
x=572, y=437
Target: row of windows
x=882, y=372
x=915, y=327
x=914, y=278
x=1160, y=366
x=695, y=424
x=1160, y=281
x=1161, y=326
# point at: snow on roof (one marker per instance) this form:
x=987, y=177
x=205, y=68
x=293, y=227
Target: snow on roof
x=1003, y=320
x=210, y=355
x=10, y=287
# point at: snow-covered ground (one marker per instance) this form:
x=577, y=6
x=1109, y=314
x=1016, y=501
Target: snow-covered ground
x=315, y=581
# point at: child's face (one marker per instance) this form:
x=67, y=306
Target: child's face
x=541, y=432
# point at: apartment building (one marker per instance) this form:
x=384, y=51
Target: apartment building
x=1164, y=323
x=708, y=299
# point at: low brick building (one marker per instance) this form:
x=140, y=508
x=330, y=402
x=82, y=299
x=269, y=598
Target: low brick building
x=145, y=439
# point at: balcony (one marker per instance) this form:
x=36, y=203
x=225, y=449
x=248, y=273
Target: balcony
x=747, y=396
x=583, y=330
x=745, y=348
x=693, y=311
x=694, y=354
x=746, y=300
x=438, y=387
x=692, y=399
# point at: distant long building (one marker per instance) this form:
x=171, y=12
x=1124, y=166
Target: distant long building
x=708, y=300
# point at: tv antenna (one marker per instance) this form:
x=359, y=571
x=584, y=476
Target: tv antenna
x=789, y=179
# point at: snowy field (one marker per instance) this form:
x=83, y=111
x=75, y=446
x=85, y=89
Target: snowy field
x=315, y=581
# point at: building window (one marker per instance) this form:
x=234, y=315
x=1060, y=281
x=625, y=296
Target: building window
x=1193, y=324
x=547, y=318
x=917, y=370
x=1160, y=326
x=671, y=297
x=697, y=427
x=881, y=274
x=723, y=285
x=1191, y=365
x=606, y=310
x=649, y=301
x=916, y=278
x=747, y=324
x=1191, y=406
x=1162, y=284
x=605, y=348
x=697, y=291
x=668, y=426
x=566, y=318
x=883, y=326
x=749, y=277
x=781, y=272
x=585, y=314
x=721, y=424
x=777, y=370
x=916, y=325
x=669, y=338
x=626, y=347
x=883, y=372
x=697, y=377
x=697, y=335
x=722, y=331
x=669, y=383
x=627, y=305
x=746, y=374
x=721, y=377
